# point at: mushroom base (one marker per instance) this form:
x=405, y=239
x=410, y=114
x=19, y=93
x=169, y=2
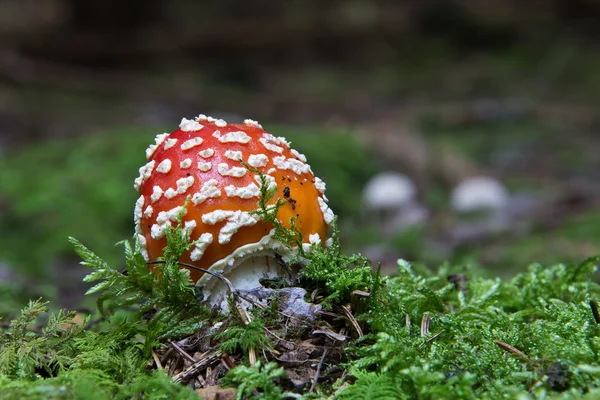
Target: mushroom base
x=245, y=276
x=245, y=268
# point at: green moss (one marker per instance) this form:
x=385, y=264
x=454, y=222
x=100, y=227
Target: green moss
x=241, y=336
x=543, y=313
x=486, y=338
x=258, y=381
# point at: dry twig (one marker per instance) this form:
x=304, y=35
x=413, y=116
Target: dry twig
x=511, y=349
x=431, y=339
x=157, y=361
x=182, y=352
x=314, y=384
x=204, y=361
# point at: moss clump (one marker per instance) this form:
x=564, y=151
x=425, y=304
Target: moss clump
x=258, y=382
x=484, y=339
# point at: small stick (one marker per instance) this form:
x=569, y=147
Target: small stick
x=157, y=361
x=228, y=362
x=236, y=302
x=251, y=301
x=183, y=353
x=511, y=349
x=263, y=307
x=278, y=338
x=215, y=274
x=431, y=339
x=226, y=281
x=210, y=379
x=207, y=359
x=314, y=384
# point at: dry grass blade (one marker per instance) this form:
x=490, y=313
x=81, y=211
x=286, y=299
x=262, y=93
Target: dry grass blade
x=425, y=325
x=251, y=356
x=352, y=320
x=246, y=319
x=330, y=334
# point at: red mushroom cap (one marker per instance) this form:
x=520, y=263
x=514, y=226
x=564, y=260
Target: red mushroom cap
x=201, y=160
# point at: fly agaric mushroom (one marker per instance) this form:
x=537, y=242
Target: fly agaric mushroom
x=202, y=161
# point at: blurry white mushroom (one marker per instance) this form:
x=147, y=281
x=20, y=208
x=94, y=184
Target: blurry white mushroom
x=388, y=191
x=391, y=197
x=479, y=193
x=487, y=200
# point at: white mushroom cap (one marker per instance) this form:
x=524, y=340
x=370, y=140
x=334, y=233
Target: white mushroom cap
x=388, y=191
x=479, y=194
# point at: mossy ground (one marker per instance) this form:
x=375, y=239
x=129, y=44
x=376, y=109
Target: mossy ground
x=420, y=334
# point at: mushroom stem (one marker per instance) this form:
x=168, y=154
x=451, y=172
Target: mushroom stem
x=245, y=274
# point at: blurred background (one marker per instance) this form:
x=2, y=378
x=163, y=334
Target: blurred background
x=446, y=130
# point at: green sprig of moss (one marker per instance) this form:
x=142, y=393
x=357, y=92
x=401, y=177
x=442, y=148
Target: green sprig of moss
x=290, y=237
x=258, y=382
x=241, y=336
x=26, y=351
